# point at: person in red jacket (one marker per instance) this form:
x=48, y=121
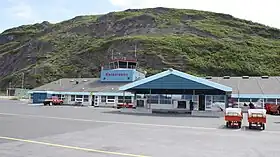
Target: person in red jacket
x=191, y=105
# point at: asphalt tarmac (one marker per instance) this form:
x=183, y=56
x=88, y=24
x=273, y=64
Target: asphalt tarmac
x=54, y=131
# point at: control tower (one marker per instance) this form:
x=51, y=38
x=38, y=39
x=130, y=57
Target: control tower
x=121, y=69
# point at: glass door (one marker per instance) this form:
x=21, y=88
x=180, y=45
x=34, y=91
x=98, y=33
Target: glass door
x=208, y=102
x=195, y=102
x=141, y=103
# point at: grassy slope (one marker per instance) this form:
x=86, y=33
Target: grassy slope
x=239, y=48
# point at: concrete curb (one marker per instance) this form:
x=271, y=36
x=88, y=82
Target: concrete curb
x=207, y=114
x=7, y=97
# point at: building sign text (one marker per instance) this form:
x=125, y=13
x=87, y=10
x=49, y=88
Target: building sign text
x=116, y=74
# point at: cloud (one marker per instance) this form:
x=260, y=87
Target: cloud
x=265, y=12
x=20, y=9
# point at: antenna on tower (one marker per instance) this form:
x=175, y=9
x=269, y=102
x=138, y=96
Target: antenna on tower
x=135, y=50
x=112, y=54
x=135, y=55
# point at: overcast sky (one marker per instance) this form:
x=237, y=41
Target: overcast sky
x=19, y=12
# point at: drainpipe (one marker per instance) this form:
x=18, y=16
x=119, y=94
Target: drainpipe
x=135, y=99
x=238, y=93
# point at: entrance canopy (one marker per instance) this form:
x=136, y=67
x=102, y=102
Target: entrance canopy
x=175, y=82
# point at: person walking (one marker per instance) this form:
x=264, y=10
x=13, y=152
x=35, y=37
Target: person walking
x=191, y=105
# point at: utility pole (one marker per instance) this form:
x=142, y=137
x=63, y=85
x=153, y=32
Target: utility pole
x=9, y=89
x=22, y=80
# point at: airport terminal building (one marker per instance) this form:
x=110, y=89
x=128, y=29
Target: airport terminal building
x=122, y=82
x=103, y=91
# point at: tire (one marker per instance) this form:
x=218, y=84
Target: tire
x=263, y=126
x=239, y=125
x=227, y=124
x=250, y=126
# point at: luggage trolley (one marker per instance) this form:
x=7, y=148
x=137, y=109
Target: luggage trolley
x=257, y=118
x=233, y=117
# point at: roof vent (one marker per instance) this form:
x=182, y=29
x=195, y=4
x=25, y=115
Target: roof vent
x=245, y=77
x=226, y=77
x=208, y=77
x=265, y=77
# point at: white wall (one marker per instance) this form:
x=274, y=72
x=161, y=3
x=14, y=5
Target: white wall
x=68, y=101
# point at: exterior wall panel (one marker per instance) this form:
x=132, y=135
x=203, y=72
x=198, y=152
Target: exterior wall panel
x=172, y=82
x=39, y=97
x=118, y=75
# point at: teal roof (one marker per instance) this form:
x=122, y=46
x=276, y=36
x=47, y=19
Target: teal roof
x=268, y=96
x=85, y=93
x=60, y=92
x=178, y=74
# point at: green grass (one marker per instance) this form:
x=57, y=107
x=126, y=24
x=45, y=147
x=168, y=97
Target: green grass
x=236, y=47
x=14, y=98
x=123, y=15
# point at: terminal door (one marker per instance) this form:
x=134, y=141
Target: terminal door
x=141, y=103
x=201, y=103
x=182, y=104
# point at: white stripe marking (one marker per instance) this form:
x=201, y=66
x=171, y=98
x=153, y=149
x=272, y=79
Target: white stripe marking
x=71, y=147
x=125, y=123
x=110, y=122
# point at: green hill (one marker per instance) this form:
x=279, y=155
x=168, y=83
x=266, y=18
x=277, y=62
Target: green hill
x=197, y=42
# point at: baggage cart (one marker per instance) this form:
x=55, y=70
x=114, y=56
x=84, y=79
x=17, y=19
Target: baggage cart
x=233, y=117
x=257, y=118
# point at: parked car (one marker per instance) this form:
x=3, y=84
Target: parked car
x=125, y=105
x=54, y=100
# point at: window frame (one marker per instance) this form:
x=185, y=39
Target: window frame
x=110, y=100
x=127, y=99
x=153, y=99
x=86, y=98
x=73, y=98
x=103, y=99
